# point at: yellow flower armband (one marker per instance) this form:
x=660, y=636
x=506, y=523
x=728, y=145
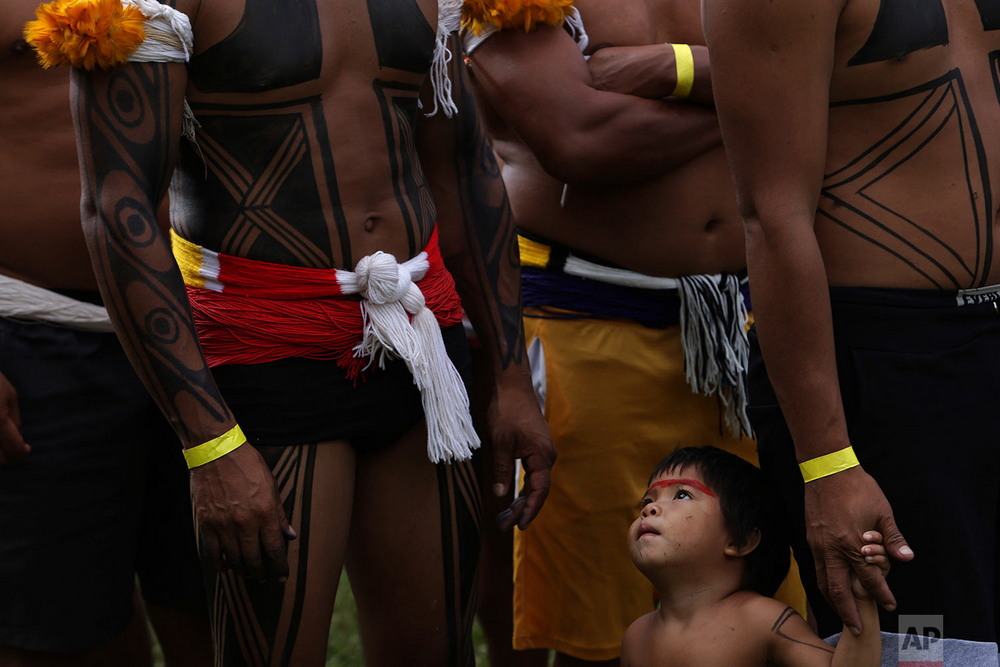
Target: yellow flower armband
x=215, y=448
x=828, y=464
x=684, y=62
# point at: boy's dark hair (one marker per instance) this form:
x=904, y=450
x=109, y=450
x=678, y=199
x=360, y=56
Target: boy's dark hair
x=747, y=505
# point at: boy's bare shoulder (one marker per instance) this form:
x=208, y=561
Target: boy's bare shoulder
x=738, y=630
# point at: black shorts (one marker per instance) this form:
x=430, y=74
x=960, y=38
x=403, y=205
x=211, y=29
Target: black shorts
x=102, y=495
x=919, y=378
x=299, y=401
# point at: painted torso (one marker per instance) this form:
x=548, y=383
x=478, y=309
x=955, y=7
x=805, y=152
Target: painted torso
x=306, y=113
x=913, y=166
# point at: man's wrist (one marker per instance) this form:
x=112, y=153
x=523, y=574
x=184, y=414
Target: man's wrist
x=828, y=464
x=215, y=448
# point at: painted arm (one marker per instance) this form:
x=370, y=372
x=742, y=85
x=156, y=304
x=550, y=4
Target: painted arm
x=128, y=127
x=772, y=62
x=793, y=643
x=479, y=245
x=540, y=84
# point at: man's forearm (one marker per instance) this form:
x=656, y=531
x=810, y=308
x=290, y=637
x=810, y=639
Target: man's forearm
x=125, y=172
x=794, y=325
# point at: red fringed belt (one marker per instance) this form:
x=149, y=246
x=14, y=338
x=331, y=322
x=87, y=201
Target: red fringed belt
x=248, y=311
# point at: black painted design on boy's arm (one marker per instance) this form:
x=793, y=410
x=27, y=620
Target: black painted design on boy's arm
x=125, y=122
x=263, y=197
x=855, y=202
x=902, y=27
x=275, y=45
x=403, y=38
x=783, y=618
x=398, y=103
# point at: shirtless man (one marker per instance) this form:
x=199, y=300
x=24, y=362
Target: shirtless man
x=863, y=139
x=603, y=164
x=92, y=487
x=311, y=153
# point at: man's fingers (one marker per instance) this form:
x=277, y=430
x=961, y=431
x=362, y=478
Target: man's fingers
x=286, y=527
x=231, y=553
x=537, y=484
x=12, y=444
x=838, y=592
x=273, y=541
x=253, y=560
x=511, y=515
x=211, y=552
x=503, y=466
x=894, y=541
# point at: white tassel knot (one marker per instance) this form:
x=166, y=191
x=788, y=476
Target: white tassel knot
x=390, y=294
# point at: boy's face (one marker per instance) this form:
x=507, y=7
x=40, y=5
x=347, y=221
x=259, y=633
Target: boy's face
x=680, y=521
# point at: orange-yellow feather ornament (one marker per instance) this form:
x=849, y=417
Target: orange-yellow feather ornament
x=85, y=33
x=481, y=15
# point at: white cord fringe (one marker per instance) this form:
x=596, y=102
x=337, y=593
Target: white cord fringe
x=24, y=301
x=716, y=351
x=390, y=294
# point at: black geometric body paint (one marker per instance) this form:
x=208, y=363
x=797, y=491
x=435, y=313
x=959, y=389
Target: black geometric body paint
x=461, y=524
x=242, y=633
x=989, y=12
x=902, y=27
x=403, y=38
x=270, y=176
x=994, y=57
x=780, y=622
x=398, y=103
x=855, y=202
x=275, y=45
x=126, y=128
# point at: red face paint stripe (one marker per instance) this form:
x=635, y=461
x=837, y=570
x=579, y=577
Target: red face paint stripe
x=695, y=484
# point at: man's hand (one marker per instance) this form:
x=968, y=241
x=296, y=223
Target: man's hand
x=12, y=444
x=518, y=431
x=239, y=516
x=839, y=509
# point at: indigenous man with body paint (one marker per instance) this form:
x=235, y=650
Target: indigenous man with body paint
x=863, y=139
x=319, y=174
x=93, y=489
x=629, y=227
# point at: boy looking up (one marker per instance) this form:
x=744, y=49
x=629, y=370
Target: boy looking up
x=710, y=539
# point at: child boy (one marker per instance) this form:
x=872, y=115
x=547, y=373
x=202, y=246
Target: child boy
x=710, y=540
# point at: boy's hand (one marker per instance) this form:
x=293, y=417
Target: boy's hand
x=875, y=555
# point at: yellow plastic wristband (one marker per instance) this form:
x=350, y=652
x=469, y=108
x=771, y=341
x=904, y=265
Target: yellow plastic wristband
x=214, y=448
x=684, y=61
x=828, y=464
